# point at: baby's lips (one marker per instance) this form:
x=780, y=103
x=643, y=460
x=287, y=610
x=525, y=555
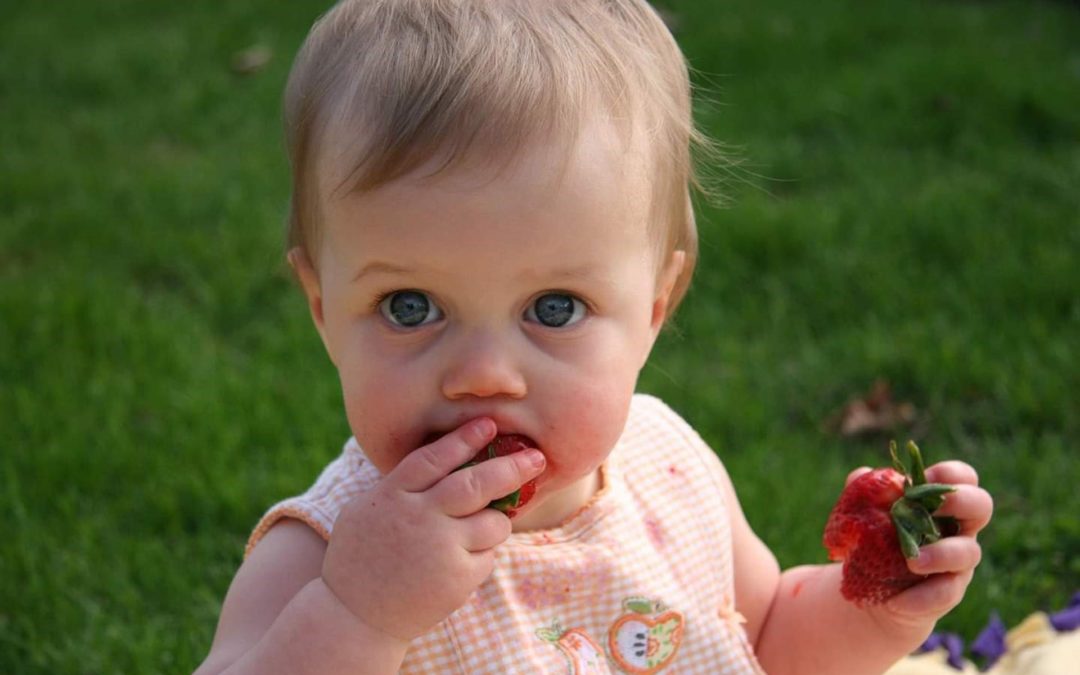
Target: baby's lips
x=503, y=444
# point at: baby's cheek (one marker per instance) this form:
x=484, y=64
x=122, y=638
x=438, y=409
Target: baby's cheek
x=593, y=423
x=378, y=422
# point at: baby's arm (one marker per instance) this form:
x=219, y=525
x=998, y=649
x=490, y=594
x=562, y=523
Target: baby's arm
x=401, y=558
x=279, y=616
x=800, y=623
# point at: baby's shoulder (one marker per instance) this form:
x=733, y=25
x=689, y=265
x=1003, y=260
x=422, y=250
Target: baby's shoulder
x=656, y=433
x=318, y=507
x=349, y=474
x=652, y=420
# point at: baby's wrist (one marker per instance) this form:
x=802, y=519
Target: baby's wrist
x=356, y=623
x=888, y=620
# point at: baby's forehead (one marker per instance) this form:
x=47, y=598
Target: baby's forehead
x=602, y=152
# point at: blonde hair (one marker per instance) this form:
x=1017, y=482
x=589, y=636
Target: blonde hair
x=451, y=80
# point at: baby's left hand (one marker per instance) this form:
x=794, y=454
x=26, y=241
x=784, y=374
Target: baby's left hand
x=951, y=561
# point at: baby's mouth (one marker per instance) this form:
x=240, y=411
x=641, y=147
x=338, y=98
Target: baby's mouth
x=433, y=436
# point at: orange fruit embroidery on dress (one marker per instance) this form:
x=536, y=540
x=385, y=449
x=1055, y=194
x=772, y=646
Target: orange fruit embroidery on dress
x=583, y=655
x=645, y=639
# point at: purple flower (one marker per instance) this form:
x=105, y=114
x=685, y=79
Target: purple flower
x=951, y=642
x=990, y=643
x=1068, y=618
x=933, y=642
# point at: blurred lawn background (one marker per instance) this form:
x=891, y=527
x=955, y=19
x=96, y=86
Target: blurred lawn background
x=908, y=209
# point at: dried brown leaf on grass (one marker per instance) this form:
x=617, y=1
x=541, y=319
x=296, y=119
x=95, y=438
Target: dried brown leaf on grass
x=872, y=413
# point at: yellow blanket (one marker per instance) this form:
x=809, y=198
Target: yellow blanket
x=1032, y=648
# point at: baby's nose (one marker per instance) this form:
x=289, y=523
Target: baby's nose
x=483, y=366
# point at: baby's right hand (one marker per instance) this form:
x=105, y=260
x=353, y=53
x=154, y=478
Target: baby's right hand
x=407, y=553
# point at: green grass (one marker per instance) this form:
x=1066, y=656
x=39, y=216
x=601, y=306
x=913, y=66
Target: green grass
x=908, y=209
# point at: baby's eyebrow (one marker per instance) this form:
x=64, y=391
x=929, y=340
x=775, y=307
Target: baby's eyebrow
x=379, y=267
x=579, y=272
x=586, y=275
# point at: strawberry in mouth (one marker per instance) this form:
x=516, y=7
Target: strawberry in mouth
x=500, y=446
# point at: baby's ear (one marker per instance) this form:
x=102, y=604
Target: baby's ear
x=309, y=281
x=665, y=284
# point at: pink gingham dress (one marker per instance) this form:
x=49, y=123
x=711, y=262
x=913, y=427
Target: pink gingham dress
x=638, y=581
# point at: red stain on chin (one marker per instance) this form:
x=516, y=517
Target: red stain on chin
x=797, y=589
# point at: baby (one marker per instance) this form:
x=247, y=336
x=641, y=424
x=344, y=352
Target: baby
x=491, y=224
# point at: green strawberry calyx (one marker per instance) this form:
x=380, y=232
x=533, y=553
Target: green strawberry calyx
x=913, y=514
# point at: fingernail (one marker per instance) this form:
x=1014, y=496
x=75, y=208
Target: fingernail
x=484, y=426
x=535, y=458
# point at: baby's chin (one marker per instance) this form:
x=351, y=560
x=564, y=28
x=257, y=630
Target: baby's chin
x=551, y=508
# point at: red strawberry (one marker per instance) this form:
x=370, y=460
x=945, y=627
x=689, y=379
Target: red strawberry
x=881, y=518
x=501, y=445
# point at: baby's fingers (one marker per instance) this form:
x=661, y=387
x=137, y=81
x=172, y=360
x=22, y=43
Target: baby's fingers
x=952, y=554
x=429, y=464
x=467, y=491
x=953, y=472
x=933, y=597
x=971, y=506
x=485, y=530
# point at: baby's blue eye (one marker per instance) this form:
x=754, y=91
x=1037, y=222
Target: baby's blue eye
x=409, y=309
x=556, y=310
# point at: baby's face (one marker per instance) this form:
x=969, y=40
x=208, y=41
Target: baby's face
x=522, y=298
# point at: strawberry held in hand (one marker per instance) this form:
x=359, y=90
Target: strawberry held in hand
x=501, y=446
x=880, y=521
